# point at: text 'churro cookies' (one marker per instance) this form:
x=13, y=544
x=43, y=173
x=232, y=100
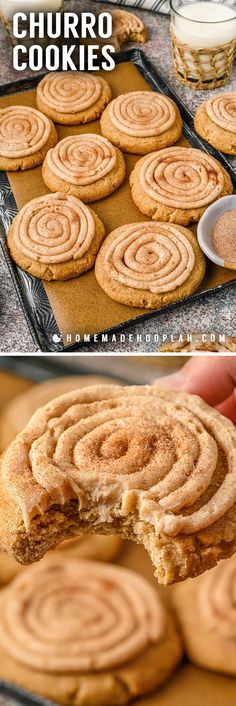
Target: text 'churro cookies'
x=86, y=634
x=206, y=609
x=215, y=121
x=87, y=166
x=177, y=184
x=72, y=98
x=25, y=137
x=150, y=264
x=55, y=237
x=141, y=122
x=156, y=466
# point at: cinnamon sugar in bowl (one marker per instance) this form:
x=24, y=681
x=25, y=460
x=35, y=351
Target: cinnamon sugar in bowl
x=216, y=233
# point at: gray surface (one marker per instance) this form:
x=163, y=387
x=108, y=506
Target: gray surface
x=215, y=312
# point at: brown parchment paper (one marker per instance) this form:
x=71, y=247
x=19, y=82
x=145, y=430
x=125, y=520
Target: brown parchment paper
x=80, y=306
x=189, y=685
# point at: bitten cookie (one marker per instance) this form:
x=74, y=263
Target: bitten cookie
x=141, y=122
x=206, y=610
x=150, y=464
x=55, y=237
x=86, y=634
x=150, y=264
x=18, y=411
x=72, y=97
x=198, y=343
x=127, y=27
x=87, y=546
x=177, y=184
x=87, y=166
x=25, y=137
x=215, y=121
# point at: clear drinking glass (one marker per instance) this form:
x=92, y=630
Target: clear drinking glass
x=203, y=36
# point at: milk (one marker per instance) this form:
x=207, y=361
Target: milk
x=203, y=25
x=9, y=7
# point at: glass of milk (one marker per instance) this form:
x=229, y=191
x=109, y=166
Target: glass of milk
x=203, y=25
x=9, y=7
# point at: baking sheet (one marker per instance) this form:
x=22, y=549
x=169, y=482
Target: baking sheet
x=80, y=306
x=189, y=685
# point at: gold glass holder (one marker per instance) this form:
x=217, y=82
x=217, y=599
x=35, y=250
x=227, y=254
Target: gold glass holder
x=202, y=69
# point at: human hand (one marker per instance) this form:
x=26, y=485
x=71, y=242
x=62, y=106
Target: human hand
x=212, y=378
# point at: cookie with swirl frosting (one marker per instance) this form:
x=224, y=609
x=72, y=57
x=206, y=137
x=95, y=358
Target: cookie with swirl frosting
x=206, y=609
x=72, y=97
x=26, y=135
x=150, y=264
x=17, y=413
x=86, y=634
x=87, y=166
x=127, y=27
x=177, y=184
x=55, y=237
x=141, y=122
x=215, y=121
x=150, y=464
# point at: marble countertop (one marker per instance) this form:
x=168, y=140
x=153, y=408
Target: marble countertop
x=213, y=312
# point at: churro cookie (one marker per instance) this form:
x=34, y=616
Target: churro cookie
x=141, y=122
x=150, y=264
x=55, y=237
x=72, y=97
x=97, y=547
x=18, y=411
x=87, y=166
x=127, y=27
x=25, y=137
x=201, y=342
x=177, y=184
x=86, y=634
x=206, y=610
x=150, y=464
x=215, y=121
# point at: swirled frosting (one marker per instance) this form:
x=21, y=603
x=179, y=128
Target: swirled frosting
x=157, y=257
x=217, y=598
x=23, y=131
x=142, y=113
x=222, y=110
x=70, y=91
x=54, y=228
x=181, y=177
x=124, y=452
x=79, y=616
x=124, y=22
x=82, y=159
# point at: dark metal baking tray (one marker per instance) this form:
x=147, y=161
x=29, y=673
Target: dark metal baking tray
x=30, y=291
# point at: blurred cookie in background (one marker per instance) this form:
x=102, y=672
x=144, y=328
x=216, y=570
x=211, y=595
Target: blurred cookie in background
x=206, y=610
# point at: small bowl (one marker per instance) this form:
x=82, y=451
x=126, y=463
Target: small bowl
x=205, y=225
